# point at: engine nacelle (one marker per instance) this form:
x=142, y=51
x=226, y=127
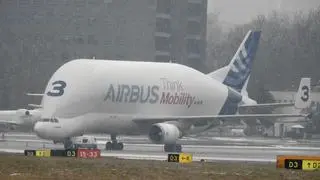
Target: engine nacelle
x=163, y=133
x=23, y=112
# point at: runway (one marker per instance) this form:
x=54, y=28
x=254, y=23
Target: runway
x=139, y=148
x=203, y=140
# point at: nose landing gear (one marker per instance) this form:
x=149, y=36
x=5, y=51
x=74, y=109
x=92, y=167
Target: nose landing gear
x=114, y=144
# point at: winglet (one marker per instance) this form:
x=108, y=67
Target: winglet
x=303, y=96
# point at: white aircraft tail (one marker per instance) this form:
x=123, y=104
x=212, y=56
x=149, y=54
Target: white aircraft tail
x=302, y=98
x=236, y=74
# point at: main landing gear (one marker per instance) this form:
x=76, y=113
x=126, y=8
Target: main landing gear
x=173, y=148
x=67, y=143
x=114, y=145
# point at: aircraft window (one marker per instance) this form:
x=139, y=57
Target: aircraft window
x=193, y=46
x=194, y=9
x=162, y=43
x=163, y=25
x=194, y=27
x=164, y=6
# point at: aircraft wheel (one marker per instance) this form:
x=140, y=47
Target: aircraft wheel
x=68, y=144
x=109, y=146
x=120, y=146
x=178, y=148
x=117, y=146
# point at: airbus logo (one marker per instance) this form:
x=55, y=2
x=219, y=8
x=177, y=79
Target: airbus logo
x=132, y=93
x=152, y=94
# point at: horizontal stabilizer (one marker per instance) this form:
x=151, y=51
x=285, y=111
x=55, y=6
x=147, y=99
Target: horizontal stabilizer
x=35, y=105
x=34, y=94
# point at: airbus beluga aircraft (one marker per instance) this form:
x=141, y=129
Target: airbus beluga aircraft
x=160, y=100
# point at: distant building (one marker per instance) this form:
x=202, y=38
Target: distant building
x=148, y=30
x=37, y=36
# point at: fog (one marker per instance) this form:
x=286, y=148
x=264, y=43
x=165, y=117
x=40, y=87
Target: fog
x=233, y=12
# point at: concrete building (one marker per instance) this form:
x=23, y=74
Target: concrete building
x=38, y=36
x=148, y=30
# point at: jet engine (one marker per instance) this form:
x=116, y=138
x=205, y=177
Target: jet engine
x=23, y=112
x=163, y=133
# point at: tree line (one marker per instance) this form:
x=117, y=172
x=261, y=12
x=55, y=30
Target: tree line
x=289, y=48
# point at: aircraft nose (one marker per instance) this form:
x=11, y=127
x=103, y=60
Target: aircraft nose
x=39, y=129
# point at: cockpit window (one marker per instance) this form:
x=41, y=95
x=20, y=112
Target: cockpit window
x=45, y=120
x=53, y=120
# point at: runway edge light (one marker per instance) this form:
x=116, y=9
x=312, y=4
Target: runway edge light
x=298, y=162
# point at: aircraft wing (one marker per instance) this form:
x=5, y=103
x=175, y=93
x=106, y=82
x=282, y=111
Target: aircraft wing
x=236, y=117
x=9, y=122
x=274, y=105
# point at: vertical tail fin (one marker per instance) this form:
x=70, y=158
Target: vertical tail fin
x=302, y=98
x=237, y=72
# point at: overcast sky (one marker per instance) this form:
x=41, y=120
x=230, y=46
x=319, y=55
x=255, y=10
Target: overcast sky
x=241, y=11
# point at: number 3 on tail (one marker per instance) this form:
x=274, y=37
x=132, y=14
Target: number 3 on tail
x=58, y=88
x=305, y=95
